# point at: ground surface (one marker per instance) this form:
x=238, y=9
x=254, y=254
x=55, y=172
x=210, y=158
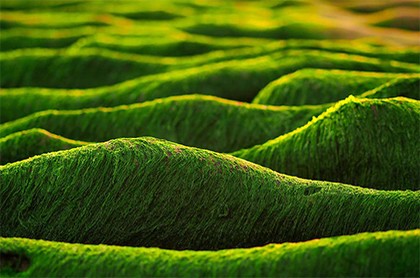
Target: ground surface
x=209, y=138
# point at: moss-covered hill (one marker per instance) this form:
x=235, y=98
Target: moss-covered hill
x=316, y=86
x=324, y=257
x=28, y=143
x=365, y=142
x=195, y=120
x=157, y=193
x=213, y=79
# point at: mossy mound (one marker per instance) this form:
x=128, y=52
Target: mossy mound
x=390, y=254
x=317, y=86
x=365, y=142
x=194, y=120
x=28, y=143
x=250, y=76
x=161, y=194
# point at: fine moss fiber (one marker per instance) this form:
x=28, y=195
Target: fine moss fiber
x=316, y=86
x=194, y=120
x=365, y=142
x=380, y=254
x=28, y=143
x=161, y=194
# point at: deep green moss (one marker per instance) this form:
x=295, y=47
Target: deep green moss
x=28, y=143
x=149, y=192
x=193, y=120
x=213, y=79
x=366, y=142
x=316, y=86
x=381, y=254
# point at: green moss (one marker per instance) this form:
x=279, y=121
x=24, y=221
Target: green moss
x=213, y=79
x=68, y=69
x=402, y=86
x=366, y=142
x=194, y=120
x=161, y=194
x=18, y=40
x=28, y=143
x=393, y=253
x=316, y=86
x=167, y=46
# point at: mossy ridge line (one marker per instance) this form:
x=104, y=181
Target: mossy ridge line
x=215, y=79
x=87, y=68
x=261, y=46
x=365, y=142
x=194, y=120
x=392, y=253
x=177, y=46
x=400, y=86
x=112, y=39
x=318, y=86
x=107, y=67
x=162, y=194
x=28, y=143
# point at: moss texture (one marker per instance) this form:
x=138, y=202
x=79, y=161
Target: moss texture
x=365, y=142
x=390, y=254
x=194, y=120
x=28, y=143
x=316, y=86
x=213, y=79
x=161, y=194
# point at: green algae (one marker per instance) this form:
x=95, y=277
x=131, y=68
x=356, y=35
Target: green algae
x=213, y=79
x=193, y=120
x=161, y=194
x=390, y=254
x=28, y=143
x=317, y=86
x=365, y=142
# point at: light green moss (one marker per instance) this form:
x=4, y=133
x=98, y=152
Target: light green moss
x=149, y=192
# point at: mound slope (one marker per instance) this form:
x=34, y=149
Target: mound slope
x=148, y=192
x=366, y=142
x=194, y=120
